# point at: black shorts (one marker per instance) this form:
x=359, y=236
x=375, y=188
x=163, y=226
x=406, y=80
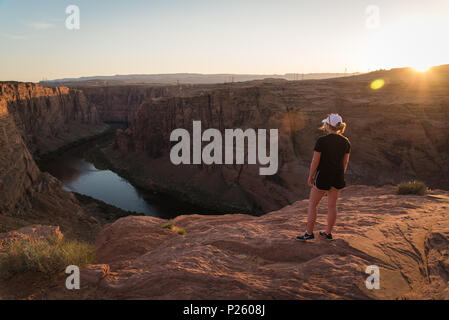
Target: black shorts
x=325, y=181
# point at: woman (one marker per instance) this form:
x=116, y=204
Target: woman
x=327, y=170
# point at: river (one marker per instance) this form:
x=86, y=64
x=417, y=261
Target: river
x=79, y=175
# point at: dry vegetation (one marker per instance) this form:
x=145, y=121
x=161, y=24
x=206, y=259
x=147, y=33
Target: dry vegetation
x=49, y=256
x=174, y=228
x=412, y=187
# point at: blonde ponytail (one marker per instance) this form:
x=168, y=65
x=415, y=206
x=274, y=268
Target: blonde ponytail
x=340, y=127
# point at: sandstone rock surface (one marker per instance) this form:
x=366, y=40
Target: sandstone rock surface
x=120, y=103
x=18, y=171
x=247, y=257
x=49, y=118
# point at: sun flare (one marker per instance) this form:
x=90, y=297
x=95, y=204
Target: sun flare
x=422, y=68
x=377, y=84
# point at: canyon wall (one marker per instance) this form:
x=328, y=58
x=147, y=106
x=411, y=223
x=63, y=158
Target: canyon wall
x=49, y=118
x=399, y=132
x=38, y=119
x=120, y=103
x=18, y=171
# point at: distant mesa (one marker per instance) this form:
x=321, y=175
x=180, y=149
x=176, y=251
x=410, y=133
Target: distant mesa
x=190, y=78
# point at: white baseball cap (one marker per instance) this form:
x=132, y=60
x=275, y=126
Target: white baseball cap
x=333, y=119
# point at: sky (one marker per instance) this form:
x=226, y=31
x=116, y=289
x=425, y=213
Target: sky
x=219, y=36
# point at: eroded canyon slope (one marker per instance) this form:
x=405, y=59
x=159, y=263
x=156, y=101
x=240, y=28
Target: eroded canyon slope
x=120, y=103
x=37, y=119
x=49, y=118
x=246, y=257
x=398, y=132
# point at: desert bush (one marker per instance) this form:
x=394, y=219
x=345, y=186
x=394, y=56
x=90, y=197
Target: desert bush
x=412, y=187
x=50, y=256
x=168, y=225
x=174, y=228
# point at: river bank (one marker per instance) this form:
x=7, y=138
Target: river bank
x=84, y=169
x=139, y=170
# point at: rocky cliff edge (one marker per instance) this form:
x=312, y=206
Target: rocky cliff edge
x=245, y=257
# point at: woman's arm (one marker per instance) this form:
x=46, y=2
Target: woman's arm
x=346, y=161
x=313, y=167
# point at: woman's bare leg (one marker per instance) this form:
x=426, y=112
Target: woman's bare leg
x=314, y=199
x=332, y=197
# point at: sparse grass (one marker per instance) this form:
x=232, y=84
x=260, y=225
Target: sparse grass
x=174, y=228
x=412, y=187
x=168, y=225
x=49, y=256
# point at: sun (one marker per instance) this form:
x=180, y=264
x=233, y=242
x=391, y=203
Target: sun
x=422, y=68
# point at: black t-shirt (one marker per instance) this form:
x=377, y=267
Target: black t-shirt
x=333, y=147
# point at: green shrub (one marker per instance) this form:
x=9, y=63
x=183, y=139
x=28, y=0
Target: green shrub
x=174, y=228
x=49, y=256
x=168, y=225
x=412, y=187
